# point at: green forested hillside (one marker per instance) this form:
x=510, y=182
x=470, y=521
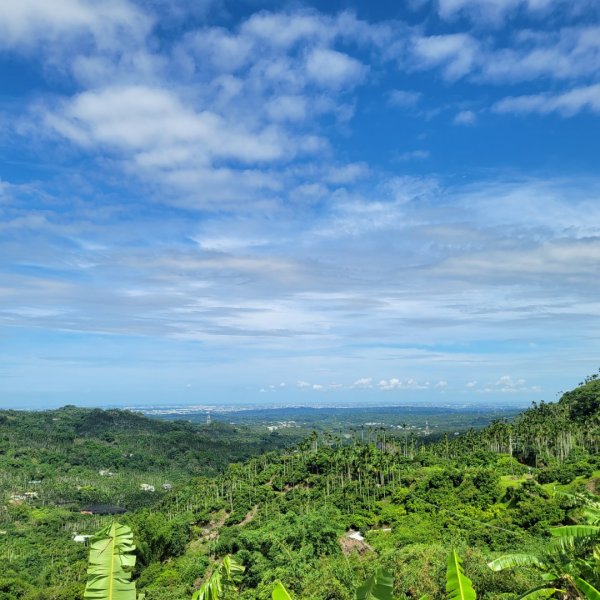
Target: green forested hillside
x=58, y=440
x=322, y=515
x=55, y=463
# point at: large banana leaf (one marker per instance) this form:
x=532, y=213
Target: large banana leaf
x=587, y=589
x=458, y=585
x=279, y=592
x=592, y=516
x=540, y=593
x=569, y=534
x=510, y=561
x=110, y=565
x=378, y=587
x=210, y=589
x=230, y=570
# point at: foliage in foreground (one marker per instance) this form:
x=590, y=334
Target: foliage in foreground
x=111, y=563
x=570, y=565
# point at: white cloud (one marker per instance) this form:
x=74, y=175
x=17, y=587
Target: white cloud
x=506, y=384
x=330, y=68
x=354, y=216
x=159, y=136
x=493, y=11
x=27, y=23
x=224, y=51
x=325, y=265
x=396, y=384
x=465, y=117
x=570, y=53
x=363, y=383
x=217, y=119
x=228, y=244
x=532, y=204
x=456, y=54
x=557, y=258
x=566, y=104
x=285, y=51
x=413, y=155
x=404, y=98
x=287, y=108
x=286, y=29
x=347, y=173
x=152, y=121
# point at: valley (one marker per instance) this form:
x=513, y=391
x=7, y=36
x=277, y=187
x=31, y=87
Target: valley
x=320, y=510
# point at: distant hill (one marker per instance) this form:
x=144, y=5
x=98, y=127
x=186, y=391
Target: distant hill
x=57, y=440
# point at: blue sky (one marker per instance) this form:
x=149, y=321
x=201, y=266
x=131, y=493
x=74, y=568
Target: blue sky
x=213, y=202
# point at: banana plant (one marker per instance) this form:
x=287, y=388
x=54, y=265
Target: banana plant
x=570, y=562
x=587, y=589
x=279, y=592
x=110, y=565
x=550, y=575
x=557, y=569
x=222, y=580
x=458, y=585
x=585, y=534
x=379, y=586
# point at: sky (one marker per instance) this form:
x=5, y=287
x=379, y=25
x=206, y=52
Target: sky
x=211, y=202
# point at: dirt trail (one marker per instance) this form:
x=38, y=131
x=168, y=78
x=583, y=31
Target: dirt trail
x=209, y=532
x=251, y=514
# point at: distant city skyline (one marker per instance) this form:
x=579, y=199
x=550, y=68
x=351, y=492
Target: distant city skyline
x=224, y=203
